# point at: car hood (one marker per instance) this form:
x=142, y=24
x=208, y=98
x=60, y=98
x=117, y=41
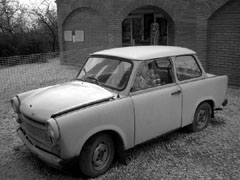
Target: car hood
x=42, y=104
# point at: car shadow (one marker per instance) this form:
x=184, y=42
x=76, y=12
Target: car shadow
x=159, y=141
x=70, y=171
x=218, y=121
x=32, y=162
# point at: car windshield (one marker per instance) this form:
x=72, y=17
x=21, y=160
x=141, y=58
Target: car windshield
x=106, y=71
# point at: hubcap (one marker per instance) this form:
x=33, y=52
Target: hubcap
x=202, y=118
x=101, y=156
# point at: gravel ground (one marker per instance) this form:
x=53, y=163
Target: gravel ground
x=211, y=154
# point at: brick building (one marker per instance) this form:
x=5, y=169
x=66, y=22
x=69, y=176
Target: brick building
x=210, y=27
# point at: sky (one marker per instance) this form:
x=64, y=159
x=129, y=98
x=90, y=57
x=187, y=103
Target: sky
x=33, y=3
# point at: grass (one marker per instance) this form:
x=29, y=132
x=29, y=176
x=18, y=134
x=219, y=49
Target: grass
x=210, y=154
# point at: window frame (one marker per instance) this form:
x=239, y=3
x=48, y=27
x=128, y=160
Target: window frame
x=197, y=63
x=114, y=58
x=171, y=62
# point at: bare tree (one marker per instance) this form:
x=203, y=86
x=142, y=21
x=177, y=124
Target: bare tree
x=27, y=29
x=11, y=25
x=11, y=16
x=47, y=22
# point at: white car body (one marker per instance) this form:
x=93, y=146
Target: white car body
x=78, y=110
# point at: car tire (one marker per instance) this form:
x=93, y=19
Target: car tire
x=202, y=117
x=97, y=155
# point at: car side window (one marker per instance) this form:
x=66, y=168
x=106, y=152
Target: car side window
x=164, y=70
x=187, y=68
x=153, y=73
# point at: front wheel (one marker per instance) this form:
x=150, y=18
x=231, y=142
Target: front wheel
x=201, y=117
x=97, y=155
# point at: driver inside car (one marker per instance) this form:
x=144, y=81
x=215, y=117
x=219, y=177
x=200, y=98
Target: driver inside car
x=146, y=77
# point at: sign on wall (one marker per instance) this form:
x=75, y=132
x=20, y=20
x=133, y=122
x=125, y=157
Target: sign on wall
x=79, y=35
x=74, y=36
x=67, y=35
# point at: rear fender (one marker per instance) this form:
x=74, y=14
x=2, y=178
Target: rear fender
x=209, y=99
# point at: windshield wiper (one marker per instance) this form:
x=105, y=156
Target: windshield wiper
x=84, y=70
x=95, y=79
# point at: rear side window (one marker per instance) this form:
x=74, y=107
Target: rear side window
x=187, y=68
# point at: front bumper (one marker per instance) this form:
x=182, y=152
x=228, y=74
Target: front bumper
x=48, y=158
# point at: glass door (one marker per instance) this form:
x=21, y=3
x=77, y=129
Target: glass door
x=132, y=33
x=136, y=30
x=127, y=32
x=163, y=29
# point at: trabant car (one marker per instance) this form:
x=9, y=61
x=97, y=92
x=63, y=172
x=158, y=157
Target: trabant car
x=120, y=98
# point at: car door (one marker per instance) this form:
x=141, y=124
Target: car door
x=157, y=107
x=190, y=78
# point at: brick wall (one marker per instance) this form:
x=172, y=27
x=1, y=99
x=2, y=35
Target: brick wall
x=95, y=30
x=193, y=25
x=102, y=20
x=180, y=14
x=224, y=42
x=204, y=9
x=91, y=18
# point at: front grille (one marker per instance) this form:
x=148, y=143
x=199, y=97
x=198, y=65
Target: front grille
x=38, y=133
x=35, y=130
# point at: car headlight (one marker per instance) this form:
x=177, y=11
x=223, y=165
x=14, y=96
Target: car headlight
x=53, y=130
x=15, y=103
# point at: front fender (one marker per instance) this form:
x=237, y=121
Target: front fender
x=96, y=130
x=78, y=126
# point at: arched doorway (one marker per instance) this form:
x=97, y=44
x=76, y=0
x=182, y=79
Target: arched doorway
x=84, y=31
x=147, y=25
x=224, y=42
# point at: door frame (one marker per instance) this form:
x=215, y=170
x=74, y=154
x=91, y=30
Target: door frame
x=162, y=16
x=132, y=43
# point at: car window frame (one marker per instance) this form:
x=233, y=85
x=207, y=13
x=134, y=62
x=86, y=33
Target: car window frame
x=113, y=57
x=170, y=59
x=198, y=65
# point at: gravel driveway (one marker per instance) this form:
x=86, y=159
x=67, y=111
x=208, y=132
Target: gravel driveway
x=211, y=154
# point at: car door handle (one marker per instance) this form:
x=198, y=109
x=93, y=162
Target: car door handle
x=176, y=92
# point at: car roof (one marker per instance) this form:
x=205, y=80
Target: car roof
x=145, y=52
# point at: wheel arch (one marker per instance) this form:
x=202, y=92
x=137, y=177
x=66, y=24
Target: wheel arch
x=208, y=100
x=117, y=136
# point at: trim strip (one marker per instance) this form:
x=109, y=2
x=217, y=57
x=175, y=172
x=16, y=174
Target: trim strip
x=80, y=107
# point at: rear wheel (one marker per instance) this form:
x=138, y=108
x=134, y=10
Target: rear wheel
x=201, y=117
x=97, y=155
